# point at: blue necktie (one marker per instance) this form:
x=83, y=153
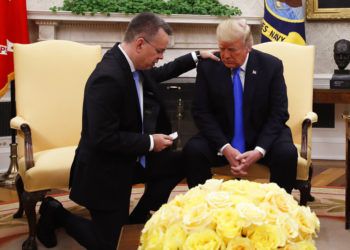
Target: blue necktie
x=135, y=74
x=238, y=141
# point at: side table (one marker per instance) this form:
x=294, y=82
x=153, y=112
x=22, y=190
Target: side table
x=347, y=190
x=129, y=238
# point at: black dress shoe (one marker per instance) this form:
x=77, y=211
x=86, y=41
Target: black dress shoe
x=47, y=222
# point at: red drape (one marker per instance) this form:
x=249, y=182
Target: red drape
x=13, y=29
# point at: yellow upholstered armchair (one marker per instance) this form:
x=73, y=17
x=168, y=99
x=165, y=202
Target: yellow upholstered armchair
x=50, y=77
x=298, y=62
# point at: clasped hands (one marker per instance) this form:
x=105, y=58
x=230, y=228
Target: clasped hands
x=240, y=162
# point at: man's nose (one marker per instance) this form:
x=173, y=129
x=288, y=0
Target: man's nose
x=225, y=55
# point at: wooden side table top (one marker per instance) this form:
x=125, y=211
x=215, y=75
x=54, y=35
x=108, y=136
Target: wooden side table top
x=130, y=237
x=347, y=172
x=331, y=95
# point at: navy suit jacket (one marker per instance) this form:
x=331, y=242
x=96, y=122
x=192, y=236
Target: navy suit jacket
x=265, y=104
x=111, y=137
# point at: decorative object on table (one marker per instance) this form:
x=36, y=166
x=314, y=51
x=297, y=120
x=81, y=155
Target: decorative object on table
x=341, y=76
x=231, y=215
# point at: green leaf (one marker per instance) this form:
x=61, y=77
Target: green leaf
x=198, y=7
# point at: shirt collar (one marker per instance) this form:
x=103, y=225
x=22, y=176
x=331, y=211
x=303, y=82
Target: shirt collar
x=244, y=65
x=132, y=67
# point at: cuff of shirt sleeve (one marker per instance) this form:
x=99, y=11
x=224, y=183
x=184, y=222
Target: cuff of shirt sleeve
x=194, y=56
x=152, y=143
x=222, y=149
x=261, y=150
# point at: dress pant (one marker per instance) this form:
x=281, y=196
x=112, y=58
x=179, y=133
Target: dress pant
x=164, y=170
x=281, y=159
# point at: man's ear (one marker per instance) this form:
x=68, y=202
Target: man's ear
x=139, y=43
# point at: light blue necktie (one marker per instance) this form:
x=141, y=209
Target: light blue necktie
x=135, y=74
x=238, y=141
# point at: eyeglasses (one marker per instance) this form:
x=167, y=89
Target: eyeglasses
x=159, y=51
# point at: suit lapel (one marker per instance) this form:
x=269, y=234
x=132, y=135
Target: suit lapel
x=227, y=88
x=130, y=84
x=251, y=74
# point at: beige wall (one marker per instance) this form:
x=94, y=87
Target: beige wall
x=322, y=34
x=327, y=143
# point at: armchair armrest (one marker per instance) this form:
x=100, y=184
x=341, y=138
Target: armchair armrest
x=20, y=124
x=310, y=118
x=16, y=122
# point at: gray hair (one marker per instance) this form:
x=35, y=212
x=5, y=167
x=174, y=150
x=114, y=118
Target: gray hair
x=231, y=30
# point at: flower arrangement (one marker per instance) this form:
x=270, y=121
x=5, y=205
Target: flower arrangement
x=231, y=215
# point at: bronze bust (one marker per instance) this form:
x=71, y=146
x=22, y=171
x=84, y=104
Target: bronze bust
x=341, y=76
x=342, y=53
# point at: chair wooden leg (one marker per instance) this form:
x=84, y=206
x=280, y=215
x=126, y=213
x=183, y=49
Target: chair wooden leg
x=29, y=200
x=20, y=190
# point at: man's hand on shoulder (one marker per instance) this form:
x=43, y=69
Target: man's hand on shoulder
x=204, y=54
x=161, y=142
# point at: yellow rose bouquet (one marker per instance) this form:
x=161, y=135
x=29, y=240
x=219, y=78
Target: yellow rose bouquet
x=231, y=215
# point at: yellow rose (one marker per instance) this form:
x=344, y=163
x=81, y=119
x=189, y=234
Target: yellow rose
x=271, y=187
x=205, y=239
x=266, y=236
x=211, y=185
x=231, y=215
x=193, y=197
x=248, y=189
x=228, y=223
x=289, y=226
x=175, y=237
x=272, y=213
x=250, y=214
x=302, y=245
x=308, y=222
x=153, y=239
x=240, y=243
x=219, y=199
x=240, y=187
x=178, y=200
x=154, y=222
x=229, y=185
x=282, y=201
x=169, y=214
x=197, y=217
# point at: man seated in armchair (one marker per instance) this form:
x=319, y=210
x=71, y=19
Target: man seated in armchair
x=240, y=107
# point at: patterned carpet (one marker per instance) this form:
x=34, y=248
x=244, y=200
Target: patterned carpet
x=329, y=203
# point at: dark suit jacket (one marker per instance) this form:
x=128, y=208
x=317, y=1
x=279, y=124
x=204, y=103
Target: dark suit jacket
x=111, y=137
x=265, y=104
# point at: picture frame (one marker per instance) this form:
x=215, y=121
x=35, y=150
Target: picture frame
x=327, y=10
